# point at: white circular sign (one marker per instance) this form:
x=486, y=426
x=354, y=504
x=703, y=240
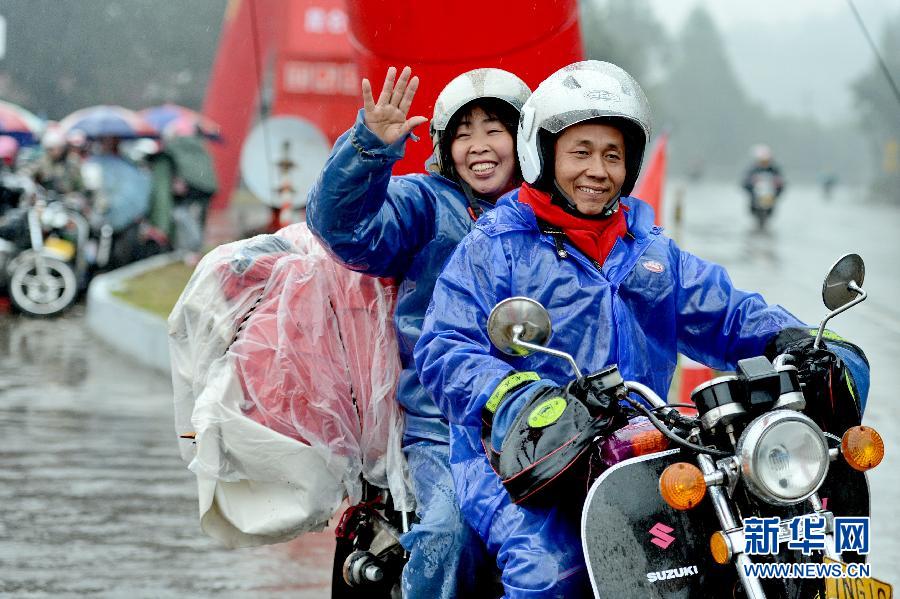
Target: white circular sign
x=282, y=158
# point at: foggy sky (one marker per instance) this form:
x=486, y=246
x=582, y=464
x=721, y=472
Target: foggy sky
x=796, y=57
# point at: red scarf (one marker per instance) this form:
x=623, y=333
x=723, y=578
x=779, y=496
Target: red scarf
x=593, y=237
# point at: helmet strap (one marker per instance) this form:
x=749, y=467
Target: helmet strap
x=474, y=200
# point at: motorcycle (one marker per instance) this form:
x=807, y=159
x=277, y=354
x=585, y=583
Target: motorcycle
x=764, y=187
x=44, y=252
x=52, y=244
x=677, y=499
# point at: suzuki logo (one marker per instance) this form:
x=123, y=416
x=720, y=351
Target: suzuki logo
x=661, y=537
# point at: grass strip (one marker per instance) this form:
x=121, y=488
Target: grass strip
x=157, y=290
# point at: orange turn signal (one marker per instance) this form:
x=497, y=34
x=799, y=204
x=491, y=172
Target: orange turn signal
x=720, y=548
x=682, y=486
x=862, y=447
x=649, y=442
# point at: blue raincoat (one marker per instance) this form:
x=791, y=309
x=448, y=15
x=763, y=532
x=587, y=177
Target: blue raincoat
x=649, y=301
x=405, y=228
x=402, y=227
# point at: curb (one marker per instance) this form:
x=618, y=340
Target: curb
x=124, y=327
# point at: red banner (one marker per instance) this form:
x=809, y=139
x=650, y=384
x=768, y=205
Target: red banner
x=312, y=53
x=652, y=184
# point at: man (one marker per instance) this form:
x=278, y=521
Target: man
x=618, y=292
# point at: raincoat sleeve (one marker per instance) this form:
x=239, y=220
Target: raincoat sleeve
x=858, y=366
x=373, y=222
x=454, y=354
x=718, y=324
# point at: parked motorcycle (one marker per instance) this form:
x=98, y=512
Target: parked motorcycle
x=677, y=496
x=43, y=252
x=52, y=244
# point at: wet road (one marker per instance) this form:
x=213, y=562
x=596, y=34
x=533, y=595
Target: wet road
x=94, y=499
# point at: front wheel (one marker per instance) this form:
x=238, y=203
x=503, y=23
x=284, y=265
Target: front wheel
x=42, y=286
x=761, y=218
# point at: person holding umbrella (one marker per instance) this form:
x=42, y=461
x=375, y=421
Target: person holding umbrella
x=184, y=179
x=121, y=190
x=59, y=168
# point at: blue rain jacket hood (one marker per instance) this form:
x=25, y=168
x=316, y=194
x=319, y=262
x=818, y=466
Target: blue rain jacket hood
x=402, y=227
x=648, y=301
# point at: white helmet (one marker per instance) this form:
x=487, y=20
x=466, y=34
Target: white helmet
x=474, y=85
x=576, y=93
x=761, y=153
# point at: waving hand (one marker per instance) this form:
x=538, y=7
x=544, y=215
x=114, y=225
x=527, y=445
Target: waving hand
x=386, y=118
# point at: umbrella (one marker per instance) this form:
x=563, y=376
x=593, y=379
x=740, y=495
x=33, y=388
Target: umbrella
x=126, y=190
x=19, y=123
x=108, y=121
x=173, y=120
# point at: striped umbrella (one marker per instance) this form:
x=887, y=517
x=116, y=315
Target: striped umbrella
x=108, y=121
x=19, y=123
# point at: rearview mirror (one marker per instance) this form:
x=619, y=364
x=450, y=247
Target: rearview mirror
x=842, y=289
x=518, y=315
x=836, y=290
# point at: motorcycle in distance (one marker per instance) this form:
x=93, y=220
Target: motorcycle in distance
x=47, y=251
x=754, y=450
x=763, y=186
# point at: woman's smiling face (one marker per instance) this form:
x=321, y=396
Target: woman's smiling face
x=483, y=153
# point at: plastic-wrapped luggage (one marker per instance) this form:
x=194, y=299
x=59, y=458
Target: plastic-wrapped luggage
x=284, y=367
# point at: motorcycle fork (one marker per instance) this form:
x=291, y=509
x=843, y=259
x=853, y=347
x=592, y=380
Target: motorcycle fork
x=36, y=235
x=105, y=246
x=720, y=504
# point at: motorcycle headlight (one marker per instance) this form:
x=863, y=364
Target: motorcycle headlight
x=784, y=457
x=54, y=217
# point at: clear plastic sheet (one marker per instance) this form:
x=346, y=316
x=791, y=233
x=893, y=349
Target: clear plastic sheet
x=312, y=354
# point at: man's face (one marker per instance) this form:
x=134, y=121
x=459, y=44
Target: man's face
x=590, y=165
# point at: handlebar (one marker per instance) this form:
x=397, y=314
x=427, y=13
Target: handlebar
x=647, y=393
x=651, y=396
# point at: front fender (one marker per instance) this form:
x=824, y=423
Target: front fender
x=635, y=545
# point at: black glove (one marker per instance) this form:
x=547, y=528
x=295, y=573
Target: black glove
x=553, y=430
x=832, y=399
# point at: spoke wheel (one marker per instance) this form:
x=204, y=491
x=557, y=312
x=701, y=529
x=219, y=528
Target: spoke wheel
x=42, y=286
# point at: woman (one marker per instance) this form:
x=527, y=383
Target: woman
x=617, y=290
x=405, y=227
